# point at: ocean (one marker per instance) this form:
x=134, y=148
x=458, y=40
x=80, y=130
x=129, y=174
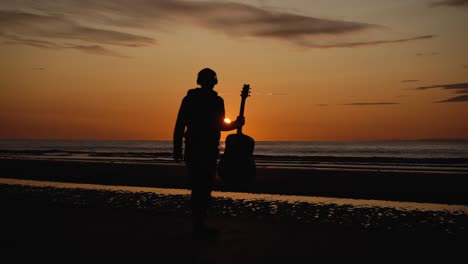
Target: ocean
x=430, y=156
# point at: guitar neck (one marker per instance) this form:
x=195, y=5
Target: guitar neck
x=241, y=113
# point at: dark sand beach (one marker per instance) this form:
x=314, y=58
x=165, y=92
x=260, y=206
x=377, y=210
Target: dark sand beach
x=76, y=224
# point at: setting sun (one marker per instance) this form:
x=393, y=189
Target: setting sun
x=227, y=120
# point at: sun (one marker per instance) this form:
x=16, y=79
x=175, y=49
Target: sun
x=227, y=120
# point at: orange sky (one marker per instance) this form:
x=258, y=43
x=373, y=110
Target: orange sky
x=319, y=70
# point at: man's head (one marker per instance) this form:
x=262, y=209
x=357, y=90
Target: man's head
x=207, y=78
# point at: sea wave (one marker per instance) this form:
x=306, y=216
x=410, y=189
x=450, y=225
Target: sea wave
x=435, y=165
x=431, y=156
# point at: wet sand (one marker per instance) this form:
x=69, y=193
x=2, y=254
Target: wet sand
x=75, y=224
x=413, y=186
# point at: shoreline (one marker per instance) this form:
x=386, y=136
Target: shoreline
x=53, y=154
x=77, y=225
x=448, y=166
x=411, y=186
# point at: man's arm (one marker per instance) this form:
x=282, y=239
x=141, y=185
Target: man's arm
x=223, y=126
x=240, y=121
x=179, y=130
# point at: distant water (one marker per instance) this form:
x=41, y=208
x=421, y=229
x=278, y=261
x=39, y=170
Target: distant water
x=437, y=156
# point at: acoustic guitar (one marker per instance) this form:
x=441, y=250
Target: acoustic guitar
x=237, y=166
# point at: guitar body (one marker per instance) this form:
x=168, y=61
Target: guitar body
x=237, y=165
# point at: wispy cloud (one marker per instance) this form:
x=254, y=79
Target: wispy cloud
x=456, y=3
x=373, y=103
x=458, y=88
x=322, y=105
x=91, y=49
x=462, y=98
x=96, y=49
x=406, y=81
x=454, y=86
x=38, y=20
x=462, y=91
x=270, y=94
x=465, y=66
x=12, y=39
x=58, y=27
x=427, y=53
x=366, y=43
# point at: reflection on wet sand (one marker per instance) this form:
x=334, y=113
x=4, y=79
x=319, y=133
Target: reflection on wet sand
x=366, y=214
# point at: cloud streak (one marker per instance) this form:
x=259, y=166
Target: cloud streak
x=458, y=88
x=376, y=103
x=406, y=81
x=367, y=43
x=41, y=23
x=424, y=54
x=58, y=27
x=90, y=49
x=454, y=86
x=454, y=3
x=96, y=49
x=462, y=98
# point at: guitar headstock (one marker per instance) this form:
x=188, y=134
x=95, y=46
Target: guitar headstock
x=245, y=91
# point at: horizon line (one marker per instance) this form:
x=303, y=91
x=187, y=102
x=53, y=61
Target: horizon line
x=268, y=140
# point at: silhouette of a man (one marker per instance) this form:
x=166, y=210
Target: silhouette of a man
x=199, y=121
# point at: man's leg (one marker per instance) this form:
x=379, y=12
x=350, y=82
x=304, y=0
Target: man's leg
x=201, y=181
x=202, y=178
